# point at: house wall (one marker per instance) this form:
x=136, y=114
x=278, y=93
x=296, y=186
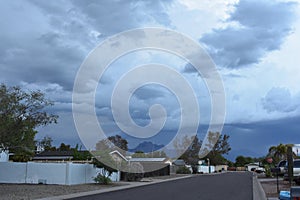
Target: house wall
x=52, y=173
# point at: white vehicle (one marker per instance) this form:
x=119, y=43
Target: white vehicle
x=296, y=171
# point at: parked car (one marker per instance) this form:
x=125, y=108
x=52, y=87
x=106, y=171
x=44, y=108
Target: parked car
x=296, y=171
x=281, y=167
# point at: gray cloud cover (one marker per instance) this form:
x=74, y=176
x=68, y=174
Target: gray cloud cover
x=261, y=26
x=280, y=100
x=45, y=42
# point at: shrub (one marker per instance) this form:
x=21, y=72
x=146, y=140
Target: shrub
x=134, y=176
x=100, y=179
x=183, y=170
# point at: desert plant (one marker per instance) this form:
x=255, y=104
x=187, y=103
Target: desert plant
x=101, y=179
x=183, y=170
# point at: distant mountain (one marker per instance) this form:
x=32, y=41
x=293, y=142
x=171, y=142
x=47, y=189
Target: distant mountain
x=147, y=147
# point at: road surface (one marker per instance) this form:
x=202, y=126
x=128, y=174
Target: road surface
x=228, y=186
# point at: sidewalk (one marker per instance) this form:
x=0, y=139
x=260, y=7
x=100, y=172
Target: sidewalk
x=127, y=185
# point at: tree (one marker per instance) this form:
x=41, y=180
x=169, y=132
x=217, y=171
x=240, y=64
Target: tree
x=221, y=147
x=103, y=159
x=190, y=156
x=21, y=112
x=118, y=141
x=241, y=161
x=278, y=152
x=46, y=143
x=64, y=147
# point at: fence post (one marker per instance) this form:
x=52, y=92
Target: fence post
x=67, y=181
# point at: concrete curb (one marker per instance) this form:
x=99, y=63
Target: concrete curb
x=258, y=191
x=112, y=189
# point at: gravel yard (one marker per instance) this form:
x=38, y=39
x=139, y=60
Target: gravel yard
x=28, y=191
x=270, y=187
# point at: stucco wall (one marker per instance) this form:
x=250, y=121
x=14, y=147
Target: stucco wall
x=51, y=173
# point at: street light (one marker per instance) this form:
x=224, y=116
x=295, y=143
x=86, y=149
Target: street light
x=208, y=165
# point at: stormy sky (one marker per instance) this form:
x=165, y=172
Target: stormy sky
x=254, y=44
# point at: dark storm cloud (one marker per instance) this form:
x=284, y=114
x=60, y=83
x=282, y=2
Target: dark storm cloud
x=45, y=42
x=122, y=14
x=254, y=139
x=262, y=27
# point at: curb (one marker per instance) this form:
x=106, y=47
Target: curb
x=258, y=191
x=129, y=186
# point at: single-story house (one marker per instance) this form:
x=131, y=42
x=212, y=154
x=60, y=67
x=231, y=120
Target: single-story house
x=254, y=167
x=176, y=164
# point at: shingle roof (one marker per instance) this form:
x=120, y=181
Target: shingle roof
x=56, y=155
x=147, y=159
x=179, y=162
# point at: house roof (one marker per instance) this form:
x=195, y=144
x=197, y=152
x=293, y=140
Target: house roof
x=52, y=158
x=252, y=164
x=179, y=162
x=119, y=154
x=152, y=166
x=56, y=155
x=148, y=159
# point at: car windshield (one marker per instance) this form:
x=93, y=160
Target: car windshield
x=282, y=164
x=297, y=164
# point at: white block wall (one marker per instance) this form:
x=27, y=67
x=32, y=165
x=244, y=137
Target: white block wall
x=53, y=173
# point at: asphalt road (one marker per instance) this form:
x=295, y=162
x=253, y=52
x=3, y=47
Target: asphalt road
x=227, y=186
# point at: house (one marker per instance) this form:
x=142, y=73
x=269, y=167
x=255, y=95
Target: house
x=254, y=167
x=151, y=166
x=117, y=156
x=179, y=163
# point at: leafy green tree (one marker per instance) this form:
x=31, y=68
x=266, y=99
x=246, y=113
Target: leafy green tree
x=21, y=112
x=139, y=154
x=46, y=143
x=103, y=159
x=64, y=147
x=241, y=161
x=278, y=152
x=190, y=156
x=221, y=147
x=118, y=141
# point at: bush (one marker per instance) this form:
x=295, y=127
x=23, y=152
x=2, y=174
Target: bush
x=134, y=176
x=268, y=171
x=183, y=170
x=100, y=179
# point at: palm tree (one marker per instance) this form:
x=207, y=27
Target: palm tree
x=278, y=153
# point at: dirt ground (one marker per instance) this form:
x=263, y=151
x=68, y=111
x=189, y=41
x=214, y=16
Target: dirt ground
x=28, y=191
x=270, y=187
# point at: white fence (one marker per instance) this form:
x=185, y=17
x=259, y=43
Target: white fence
x=49, y=173
x=205, y=169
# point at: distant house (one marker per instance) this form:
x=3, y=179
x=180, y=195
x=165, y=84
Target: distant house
x=151, y=166
x=118, y=157
x=179, y=163
x=254, y=167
